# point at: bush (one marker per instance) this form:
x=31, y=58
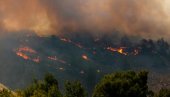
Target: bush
x=124, y=84
x=74, y=89
x=164, y=93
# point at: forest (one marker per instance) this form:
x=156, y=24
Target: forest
x=118, y=84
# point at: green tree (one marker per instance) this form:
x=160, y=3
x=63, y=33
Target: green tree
x=123, y=84
x=6, y=93
x=164, y=93
x=74, y=89
x=43, y=88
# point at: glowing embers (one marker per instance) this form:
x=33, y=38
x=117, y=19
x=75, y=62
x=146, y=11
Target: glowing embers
x=27, y=53
x=123, y=51
x=70, y=41
x=120, y=50
x=54, y=58
x=22, y=55
x=27, y=49
x=85, y=57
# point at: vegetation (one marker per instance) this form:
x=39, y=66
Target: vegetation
x=120, y=84
x=125, y=84
x=6, y=93
x=74, y=89
x=164, y=93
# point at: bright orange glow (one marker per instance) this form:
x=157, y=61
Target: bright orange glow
x=122, y=50
x=85, y=57
x=119, y=50
x=22, y=55
x=26, y=49
x=27, y=53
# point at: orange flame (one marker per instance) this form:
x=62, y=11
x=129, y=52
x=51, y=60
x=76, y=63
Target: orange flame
x=122, y=51
x=26, y=49
x=119, y=50
x=22, y=55
x=23, y=51
x=85, y=57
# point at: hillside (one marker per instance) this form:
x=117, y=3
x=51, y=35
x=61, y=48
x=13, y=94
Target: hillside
x=81, y=58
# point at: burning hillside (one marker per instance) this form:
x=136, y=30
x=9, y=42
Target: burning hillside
x=124, y=51
x=27, y=53
x=73, y=58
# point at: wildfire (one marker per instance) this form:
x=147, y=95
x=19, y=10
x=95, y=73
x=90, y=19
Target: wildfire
x=85, y=57
x=54, y=58
x=37, y=60
x=26, y=49
x=22, y=55
x=122, y=50
x=119, y=50
x=27, y=54
x=65, y=40
x=69, y=41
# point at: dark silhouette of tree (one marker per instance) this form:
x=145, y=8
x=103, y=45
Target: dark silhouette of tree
x=125, y=42
x=162, y=47
x=124, y=84
x=120, y=84
x=45, y=88
x=147, y=46
x=74, y=89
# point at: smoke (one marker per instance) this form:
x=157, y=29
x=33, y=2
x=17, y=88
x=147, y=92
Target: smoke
x=146, y=18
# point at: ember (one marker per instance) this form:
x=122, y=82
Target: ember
x=123, y=51
x=37, y=60
x=27, y=54
x=85, y=57
x=54, y=58
x=26, y=49
x=22, y=55
x=69, y=41
x=119, y=50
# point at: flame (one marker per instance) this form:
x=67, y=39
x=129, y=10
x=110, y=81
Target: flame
x=119, y=50
x=54, y=58
x=65, y=40
x=26, y=49
x=37, y=60
x=70, y=41
x=85, y=57
x=22, y=55
x=122, y=50
x=27, y=53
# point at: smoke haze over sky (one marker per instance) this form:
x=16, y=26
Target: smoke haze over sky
x=146, y=18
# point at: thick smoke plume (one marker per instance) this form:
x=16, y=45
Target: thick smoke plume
x=146, y=18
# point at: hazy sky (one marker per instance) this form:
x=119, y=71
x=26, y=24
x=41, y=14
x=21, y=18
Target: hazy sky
x=147, y=18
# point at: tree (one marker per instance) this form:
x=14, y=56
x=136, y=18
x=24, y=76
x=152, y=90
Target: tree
x=123, y=84
x=6, y=93
x=164, y=93
x=74, y=89
x=147, y=46
x=43, y=88
x=125, y=42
